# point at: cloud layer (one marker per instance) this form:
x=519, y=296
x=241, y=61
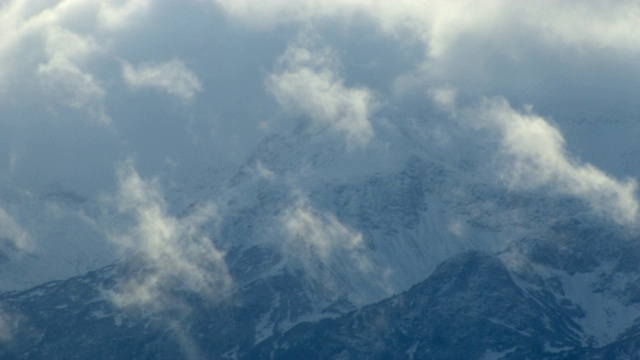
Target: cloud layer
x=479, y=47
x=84, y=85
x=50, y=47
x=440, y=24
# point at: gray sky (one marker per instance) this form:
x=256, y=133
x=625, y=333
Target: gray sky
x=182, y=86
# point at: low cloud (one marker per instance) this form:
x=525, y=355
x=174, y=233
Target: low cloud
x=533, y=155
x=174, y=252
x=172, y=77
x=12, y=235
x=10, y=321
x=333, y=255
x=308, y=84
x=316, y=235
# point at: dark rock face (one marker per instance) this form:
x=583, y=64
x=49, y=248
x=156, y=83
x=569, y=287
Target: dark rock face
x=76, y=319
x=468, y=308
x=527, y=300
x=471, y=307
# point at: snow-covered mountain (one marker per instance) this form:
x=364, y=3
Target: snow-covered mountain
x=320, y=179
x=350, y=253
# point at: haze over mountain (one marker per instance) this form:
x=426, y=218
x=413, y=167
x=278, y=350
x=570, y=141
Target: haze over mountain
x=328, y=179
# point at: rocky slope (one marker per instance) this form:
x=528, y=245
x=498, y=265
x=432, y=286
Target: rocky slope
x=391, y=252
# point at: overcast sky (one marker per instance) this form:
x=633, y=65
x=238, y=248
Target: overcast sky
x=168, y=87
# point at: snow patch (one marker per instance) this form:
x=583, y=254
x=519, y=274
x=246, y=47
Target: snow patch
x=606, y=317
x=496, y=355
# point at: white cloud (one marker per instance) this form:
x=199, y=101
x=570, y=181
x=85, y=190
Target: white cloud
x=55, y=44
x=314, y=237
x=440, y=23
x=601, y=25
x=175, y=254
x=312, y=234
x=308, y=84
x=12, y=231
x=9, y=323
x=263, y=172
x=477, y=46
x=457, y=228
x=75, y=88
x=63, y=77
x=267, y=14
x=115, y=17
x=36, y=43
x=172, y=77
x=445, y=97
x=333, y=256
x=490, y=47
x=534, y=156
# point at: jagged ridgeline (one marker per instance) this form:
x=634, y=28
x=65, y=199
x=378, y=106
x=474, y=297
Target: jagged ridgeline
x=319, y=179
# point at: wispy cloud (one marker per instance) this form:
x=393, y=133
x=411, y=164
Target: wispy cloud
x=175, y=253
x=11, y=232
x=9, y=323
x=68, y=84
x=533, y=154
x=333, y=255
x=113, y=17
x=471, y=44
x=172, y=77
x=52, y=44
x=440, y=23
x=316, y=235
x=307, y=83
x=49, y=48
